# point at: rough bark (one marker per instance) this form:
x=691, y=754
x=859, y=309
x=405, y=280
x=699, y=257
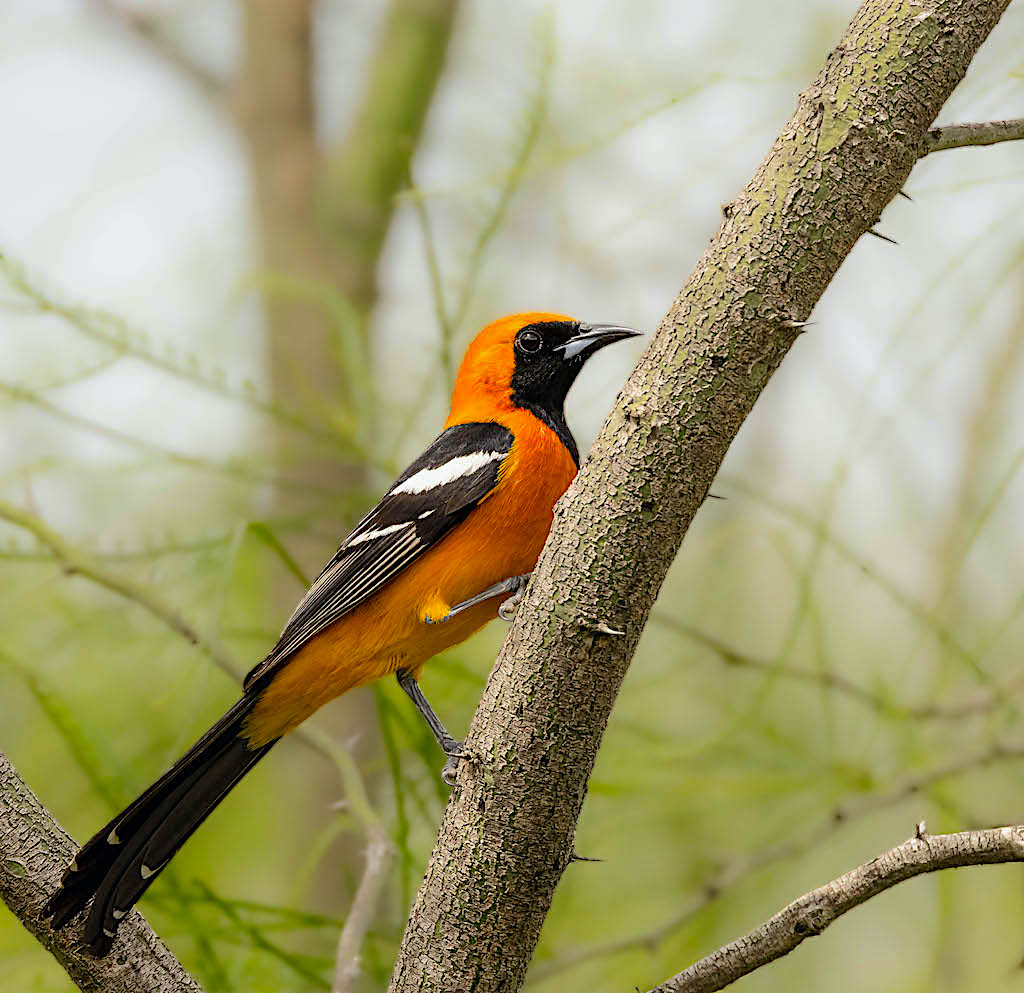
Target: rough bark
x=815, y=911
x=34, y=851
x=507, y=834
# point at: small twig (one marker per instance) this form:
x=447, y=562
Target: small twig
x=740, y=867
x=927, y=616
x=237, y=469
x=732, y=657
x=348, y=961
x=111, y=331
x=972, y=135
x=815, y=911
x=976, y=705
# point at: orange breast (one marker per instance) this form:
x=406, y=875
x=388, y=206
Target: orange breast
x=502, y=537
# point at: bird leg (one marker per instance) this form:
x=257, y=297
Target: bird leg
x=453, y=749
x=514, y=585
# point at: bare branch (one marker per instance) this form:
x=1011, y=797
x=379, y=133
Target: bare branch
x=738, y=868
x=815, y=911
x=34, y=852
x=379, y=854
x=970, y=135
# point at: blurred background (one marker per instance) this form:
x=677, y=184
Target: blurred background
x=242, y=246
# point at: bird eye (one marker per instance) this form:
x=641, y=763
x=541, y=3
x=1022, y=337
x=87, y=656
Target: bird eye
x=529, y=341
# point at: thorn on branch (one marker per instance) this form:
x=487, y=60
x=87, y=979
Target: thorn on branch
x=581, y=858
x=797, y=325
x=602, y=628
x=921, y=831
x=884, y=237
x=905, y=195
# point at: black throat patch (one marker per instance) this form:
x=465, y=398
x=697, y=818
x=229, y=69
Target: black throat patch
x=557, y=422
x=541, y=380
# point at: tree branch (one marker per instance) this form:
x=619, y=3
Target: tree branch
x=968, y=135
x=34, y=851
x=738, y=868
x=815, y=911
x=379, y=854
x=507, y=834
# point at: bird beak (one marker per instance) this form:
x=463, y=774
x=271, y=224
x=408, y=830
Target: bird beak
x=590, y=337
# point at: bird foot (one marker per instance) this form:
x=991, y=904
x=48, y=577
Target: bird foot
x=457, y=752
x=507, y=611
x=514, y=585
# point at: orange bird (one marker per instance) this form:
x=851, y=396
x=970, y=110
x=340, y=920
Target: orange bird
x=458, y=531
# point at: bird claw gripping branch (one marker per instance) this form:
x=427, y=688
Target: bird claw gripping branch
x=516, y=585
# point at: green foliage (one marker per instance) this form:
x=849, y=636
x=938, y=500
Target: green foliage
x=834, y=658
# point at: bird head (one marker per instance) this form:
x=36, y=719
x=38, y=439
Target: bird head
x=529, y=361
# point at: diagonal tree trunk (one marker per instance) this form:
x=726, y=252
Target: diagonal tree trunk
x=508, y=830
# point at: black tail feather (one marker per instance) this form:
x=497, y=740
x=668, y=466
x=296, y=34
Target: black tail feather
x=116, y=866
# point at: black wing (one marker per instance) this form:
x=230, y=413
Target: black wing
x=431, y=497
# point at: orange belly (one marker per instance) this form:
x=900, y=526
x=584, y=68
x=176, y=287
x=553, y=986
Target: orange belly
x=502, y=537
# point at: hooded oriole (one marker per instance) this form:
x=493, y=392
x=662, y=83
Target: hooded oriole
x=425, y=569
